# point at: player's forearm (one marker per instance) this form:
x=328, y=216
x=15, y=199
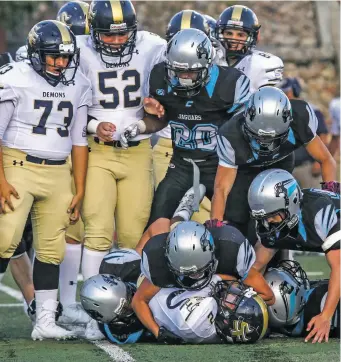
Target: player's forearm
x=333, y=295
x=144, y=314
x=218, y=203
x=153, y=123
x=79, y=156
x=328, y=169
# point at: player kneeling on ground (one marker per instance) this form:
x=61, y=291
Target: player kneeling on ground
x=308, y=220
x=297, y=300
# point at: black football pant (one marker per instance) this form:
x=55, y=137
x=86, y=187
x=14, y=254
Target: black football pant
x=178, y=179
x=237, y=211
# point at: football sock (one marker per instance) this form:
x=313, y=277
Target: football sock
x=68, y=274
x=91, y=262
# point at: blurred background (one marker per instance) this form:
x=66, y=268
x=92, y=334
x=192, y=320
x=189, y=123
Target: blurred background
x=305, y=34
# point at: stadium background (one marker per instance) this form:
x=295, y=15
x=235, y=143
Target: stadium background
x=306, y=35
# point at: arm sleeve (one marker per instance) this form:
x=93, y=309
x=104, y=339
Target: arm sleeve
x=305, y=123
x=245, y=259
x=78, y=130
x=273, y=72
x=241, y=93
x=226, y=153
x=145, y=267
x=6, y=111
x=327, y=226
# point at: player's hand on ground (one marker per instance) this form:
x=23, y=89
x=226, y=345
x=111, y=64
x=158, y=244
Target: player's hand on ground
x=167, y=337
x=319, y=328
x=6, y=191
x=152, y=106
x=105, y=131
x=74, y=208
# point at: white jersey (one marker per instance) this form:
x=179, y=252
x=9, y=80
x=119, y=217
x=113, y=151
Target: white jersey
x=188, y=314
x=21, y=54
x=260, y=67
x=43, y=122
x=118, y=92
x=334, y=111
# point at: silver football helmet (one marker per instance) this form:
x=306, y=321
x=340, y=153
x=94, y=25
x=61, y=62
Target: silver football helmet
x=275, y=192
x=190, y=254
x=188, y=61
x=106, y=298
x=289, y=283
x=267, y=120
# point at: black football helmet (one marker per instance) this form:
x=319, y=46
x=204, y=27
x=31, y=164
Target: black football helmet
x=113, y=17
x=186, y=19
x=238, y=17
x=51, y=37
x=242, y=315
x=75, y=15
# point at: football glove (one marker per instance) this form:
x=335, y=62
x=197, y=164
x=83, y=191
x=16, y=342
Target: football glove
x=332, y=186
x=131, y=132
x=214, y=223
x=167, y=337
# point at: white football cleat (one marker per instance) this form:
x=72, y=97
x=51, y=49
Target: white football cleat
x=185, y=209
x=45, y=327
x=92, y=332
x=74, y=314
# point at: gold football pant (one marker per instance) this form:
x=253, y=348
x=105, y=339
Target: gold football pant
x=119, y=186
x=162, y=154
x=47, y=190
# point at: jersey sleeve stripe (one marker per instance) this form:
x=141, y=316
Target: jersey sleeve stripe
x=331, y=240
x=313, y=122
x=225, y=152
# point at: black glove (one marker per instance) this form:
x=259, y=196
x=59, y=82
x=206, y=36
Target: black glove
x=167, y=337
x=214, y=223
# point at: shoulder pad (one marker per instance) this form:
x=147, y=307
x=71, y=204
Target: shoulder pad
x=150, y=38
x=267, y=59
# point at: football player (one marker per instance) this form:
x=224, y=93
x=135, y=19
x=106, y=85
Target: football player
x=163, y=150
x=238, y=31
x=44, y=110
x=222, y=312
x=263, y=136
x=308, y=221
x=197, y=101
x=297, y=300
x=117, y=59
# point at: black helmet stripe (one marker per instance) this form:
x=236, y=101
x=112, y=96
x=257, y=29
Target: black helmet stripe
x=117, y=12
x=186, y=19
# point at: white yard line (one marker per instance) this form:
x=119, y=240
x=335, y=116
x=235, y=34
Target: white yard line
x=11, y=292
x=116, y=353
x=314, y=274
x=11, y=305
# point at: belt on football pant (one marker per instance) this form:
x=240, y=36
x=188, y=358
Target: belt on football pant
x=43, y=161
x=116, y=144
x=196, y=181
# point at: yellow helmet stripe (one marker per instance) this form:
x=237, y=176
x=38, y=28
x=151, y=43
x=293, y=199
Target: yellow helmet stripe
x=85, y=7
x=237, y=12
x=264, y=309
x=64, y=32
x=186, y=19
x=117, y=13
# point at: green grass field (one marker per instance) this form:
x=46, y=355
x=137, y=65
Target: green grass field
x=17, y=346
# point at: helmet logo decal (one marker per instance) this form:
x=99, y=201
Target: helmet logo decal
x=33, y=36
x=285, y=188
x=202, y=50
x=240, y=330
x=64, y=17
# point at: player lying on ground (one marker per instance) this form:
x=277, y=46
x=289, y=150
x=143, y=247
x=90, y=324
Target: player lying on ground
x=297, y=300
x=307, y=220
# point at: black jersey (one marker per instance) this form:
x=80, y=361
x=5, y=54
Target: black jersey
x=234, y=149
x=234, y=254
x=195, y=120
x=315, y=299
x=123, y=263
x=318, y=228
